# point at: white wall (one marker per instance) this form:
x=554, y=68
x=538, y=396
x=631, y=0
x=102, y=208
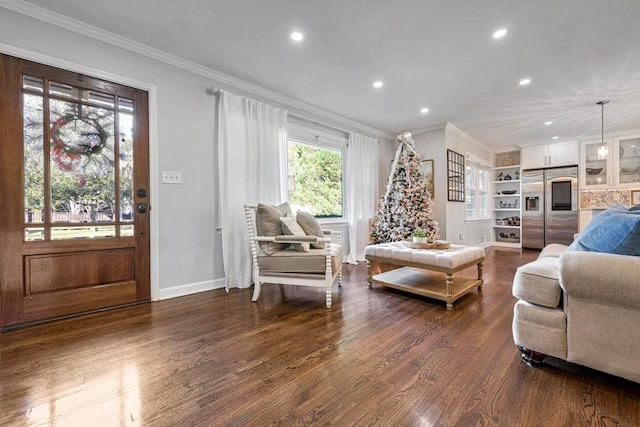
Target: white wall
x=431, y=145
x=474, y=232
x=189, y=254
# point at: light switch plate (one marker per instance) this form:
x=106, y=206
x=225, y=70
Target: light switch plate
x=171, y=177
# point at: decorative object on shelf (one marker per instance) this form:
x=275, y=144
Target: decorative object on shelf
x=406, y=205
x=500, y=176
x=507, y=177
x=509, y=191
x=593, y=171
x=508, y=161
x=517, y=174
x=603, y=150
x=629, y=169
x=455, y=172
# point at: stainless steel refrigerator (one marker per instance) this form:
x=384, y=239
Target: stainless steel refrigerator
x=550, y=206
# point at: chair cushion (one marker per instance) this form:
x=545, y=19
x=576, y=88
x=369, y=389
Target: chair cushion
x=539, y=282
x=311, y=227
x=614, y=231
x=291, y=261
x=268, y=224
x=291, y=228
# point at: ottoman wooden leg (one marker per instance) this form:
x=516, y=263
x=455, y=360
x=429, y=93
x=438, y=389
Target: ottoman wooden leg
x=369, y=273
x=449, y=292
x=480, y=276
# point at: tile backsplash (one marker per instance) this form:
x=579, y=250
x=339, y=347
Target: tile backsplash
x=598, y=199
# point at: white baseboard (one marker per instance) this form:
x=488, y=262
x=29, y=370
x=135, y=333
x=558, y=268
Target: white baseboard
x=188, y=289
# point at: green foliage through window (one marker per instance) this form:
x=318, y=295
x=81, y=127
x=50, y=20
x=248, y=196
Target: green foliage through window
x=315, y=179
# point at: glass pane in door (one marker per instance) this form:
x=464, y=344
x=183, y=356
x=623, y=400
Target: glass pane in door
x=629, y=152
x=125, y=122
x=33, y=160
x=82, y=163
x=595, y=165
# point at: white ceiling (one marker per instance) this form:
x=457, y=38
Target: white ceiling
x=429, y=53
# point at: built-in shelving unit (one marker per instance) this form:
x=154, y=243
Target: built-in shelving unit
x=506, y=199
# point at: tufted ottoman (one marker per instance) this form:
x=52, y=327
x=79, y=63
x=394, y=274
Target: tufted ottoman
x=398, y=266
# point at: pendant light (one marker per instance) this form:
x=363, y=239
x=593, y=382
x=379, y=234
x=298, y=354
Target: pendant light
x=603, y=150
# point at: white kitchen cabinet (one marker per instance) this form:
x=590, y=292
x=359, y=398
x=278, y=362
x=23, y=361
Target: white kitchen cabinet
x=551, y=155
x=620, y=168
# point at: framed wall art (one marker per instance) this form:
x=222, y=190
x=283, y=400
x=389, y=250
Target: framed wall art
x=455, y=176
x=635, y=197
x=427, y=168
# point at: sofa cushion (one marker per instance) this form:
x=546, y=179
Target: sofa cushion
x=268, y=224
x=538, y=282
x=552, y=250
x=291, y=261
x=311, y=227
x=615, y=231
x=291, y=228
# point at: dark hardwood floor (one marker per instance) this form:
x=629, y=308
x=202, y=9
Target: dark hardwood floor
x=378, y=357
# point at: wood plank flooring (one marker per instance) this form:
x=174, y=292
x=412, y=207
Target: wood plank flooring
x=377, y=357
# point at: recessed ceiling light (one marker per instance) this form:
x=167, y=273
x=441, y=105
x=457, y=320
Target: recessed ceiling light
x=377, y=84
x=424, y=110
x=555, y=137
x=548, y=123
x=500, y=33
x=525, y=81
x=297, y=36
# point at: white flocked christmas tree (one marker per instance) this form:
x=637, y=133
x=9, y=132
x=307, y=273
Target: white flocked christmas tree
x=405, y=207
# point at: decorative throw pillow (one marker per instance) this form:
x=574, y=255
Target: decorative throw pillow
x=290, y=227
x=615, y=231
x=268, y=224
x=311, y=227
x=635, y=208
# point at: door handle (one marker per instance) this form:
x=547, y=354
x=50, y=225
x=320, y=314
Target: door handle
x=142, y=208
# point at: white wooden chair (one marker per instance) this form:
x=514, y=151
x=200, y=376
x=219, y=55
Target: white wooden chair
x=317, y=268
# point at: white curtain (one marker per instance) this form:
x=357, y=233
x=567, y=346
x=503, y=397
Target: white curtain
x=361, y=191
x=251, y=143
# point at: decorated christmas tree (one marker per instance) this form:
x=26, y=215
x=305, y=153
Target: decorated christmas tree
x=405, y=207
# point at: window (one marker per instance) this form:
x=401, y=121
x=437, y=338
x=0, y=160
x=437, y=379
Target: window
x=477, y=181
x=314, y=177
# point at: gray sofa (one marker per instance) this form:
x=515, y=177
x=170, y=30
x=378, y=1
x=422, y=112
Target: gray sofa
x=582, y=307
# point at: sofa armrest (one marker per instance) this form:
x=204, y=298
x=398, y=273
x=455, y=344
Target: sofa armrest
x=601, y=277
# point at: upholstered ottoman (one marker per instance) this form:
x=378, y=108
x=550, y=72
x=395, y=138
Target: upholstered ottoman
x=397, y=265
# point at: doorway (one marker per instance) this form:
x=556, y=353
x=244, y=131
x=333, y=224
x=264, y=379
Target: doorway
x=74, y=191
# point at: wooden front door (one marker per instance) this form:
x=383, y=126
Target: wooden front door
x=74, y=221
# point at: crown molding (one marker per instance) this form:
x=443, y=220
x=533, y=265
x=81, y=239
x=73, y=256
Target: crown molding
x=96, y=33
x=453, y=128
x=430, y=128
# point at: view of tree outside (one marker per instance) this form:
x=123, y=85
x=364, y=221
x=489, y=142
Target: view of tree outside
x=315, y=179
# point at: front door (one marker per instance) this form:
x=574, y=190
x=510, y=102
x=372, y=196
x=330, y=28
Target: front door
x=74, y=221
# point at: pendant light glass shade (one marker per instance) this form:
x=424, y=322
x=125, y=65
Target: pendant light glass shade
x=603, y=150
